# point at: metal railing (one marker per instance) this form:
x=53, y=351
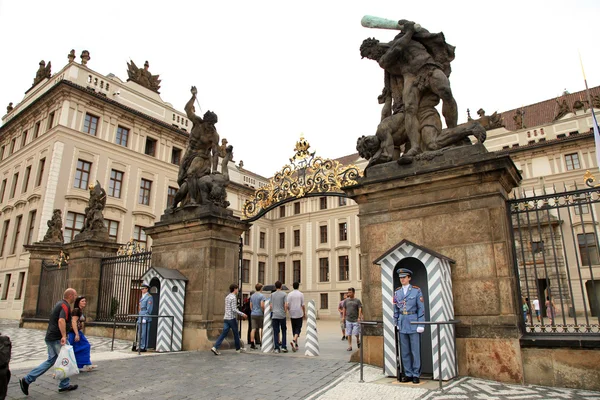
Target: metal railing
x=557, y=260
x=119, y=289
x=369, y=323
x=452, y=322
x=137, y=331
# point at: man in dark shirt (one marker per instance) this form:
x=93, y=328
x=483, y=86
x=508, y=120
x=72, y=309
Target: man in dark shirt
x=56, y=337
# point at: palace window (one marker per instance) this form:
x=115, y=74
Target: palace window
x=323, y=269
x=90, y=125
x=20, y=284
x=282, y=240
x=6, y=286
x=2, y=190
x=51, y=121
x=30, y=227
x=344, y=268
x=261, y=271
x=297, y=208
x=342, y=201
x=23, y=139
x=82, y=174
x=4, y=236
x=26, y=179
x=145, y=188
x=13, y=188
x=281, y=211
x=140, y=236
x=40, y=176
x=17, y=233
x=73, y=225
x=324, y=301
x=343, y=231
x=150, y=148
x=176, y=156
x=588, y=249
x=171, y=192
x=297, y=238
x=281, y=272
x=323, y=203
x=122, y=137
x=247, y=238
x=323, y=233
x=36, y=130
x=297, y=271
x=261, y=242
x=572, y=161
x=112, y=227
x=115, y=183
x=245, y=271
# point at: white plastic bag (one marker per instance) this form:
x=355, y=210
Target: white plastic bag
x=65, y=365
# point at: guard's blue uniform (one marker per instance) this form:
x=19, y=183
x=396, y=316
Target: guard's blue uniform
x=146, y=305
x=407, y=308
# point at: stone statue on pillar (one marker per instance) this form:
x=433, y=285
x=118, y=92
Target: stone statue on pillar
x=200, y=183
x=54, y=234
x=416, y=68
x=94, y=227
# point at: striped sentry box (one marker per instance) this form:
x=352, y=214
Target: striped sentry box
x=440, y=302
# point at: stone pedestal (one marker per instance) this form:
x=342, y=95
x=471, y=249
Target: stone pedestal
x=455, y=205
x=37, y=253
x=203, y=244
x=85, y=260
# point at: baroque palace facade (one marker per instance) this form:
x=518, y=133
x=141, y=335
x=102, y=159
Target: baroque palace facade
x=76, y=127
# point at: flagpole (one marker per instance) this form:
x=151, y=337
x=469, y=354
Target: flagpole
x=594, y=121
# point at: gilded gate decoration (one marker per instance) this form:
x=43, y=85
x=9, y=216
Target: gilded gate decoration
x=306, y=175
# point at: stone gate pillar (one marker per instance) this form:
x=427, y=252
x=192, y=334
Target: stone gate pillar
x=202, y=243
x=38, y=252
x=85, y=261
x=455, y=205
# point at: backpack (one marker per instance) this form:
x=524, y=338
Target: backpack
x=5, y=351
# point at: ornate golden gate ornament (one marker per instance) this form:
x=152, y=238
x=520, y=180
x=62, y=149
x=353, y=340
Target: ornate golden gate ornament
x=306, y=175
x=589, y=179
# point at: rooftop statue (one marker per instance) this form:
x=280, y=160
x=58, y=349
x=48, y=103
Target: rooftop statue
x=71, y=56
x=42, y=73
x=54, y=234
x=9, y=108
x=563, y=109
x=489, y=121
x=199, y=180
x=142, y=76
x=416, y=68
x=85, y=57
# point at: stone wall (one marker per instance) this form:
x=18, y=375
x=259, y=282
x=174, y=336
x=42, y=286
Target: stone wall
x=456, y=207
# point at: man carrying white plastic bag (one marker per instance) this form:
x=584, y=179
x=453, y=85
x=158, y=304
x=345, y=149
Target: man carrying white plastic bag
x=56, y=340
x=66, y=364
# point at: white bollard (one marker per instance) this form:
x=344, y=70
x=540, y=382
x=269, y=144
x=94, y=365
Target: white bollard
x=267, y=343
x=312, y=341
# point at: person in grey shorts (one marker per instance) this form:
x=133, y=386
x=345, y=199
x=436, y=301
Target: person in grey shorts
x=257, y=307
x=352, y=314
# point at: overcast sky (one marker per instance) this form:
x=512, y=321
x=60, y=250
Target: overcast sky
x=272, y=70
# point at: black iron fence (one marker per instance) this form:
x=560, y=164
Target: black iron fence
x=54, y=279
x=120, y=285
x=557, y=260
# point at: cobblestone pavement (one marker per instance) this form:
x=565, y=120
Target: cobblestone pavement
x=202, y=375
x=29, y=346
x=377, y=386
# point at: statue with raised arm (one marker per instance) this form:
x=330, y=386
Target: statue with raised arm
x=201, y=157
x=416, y=68
x=94, y=218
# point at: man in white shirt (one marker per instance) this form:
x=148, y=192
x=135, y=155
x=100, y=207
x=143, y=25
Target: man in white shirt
x=297, y=312
x=536, y=307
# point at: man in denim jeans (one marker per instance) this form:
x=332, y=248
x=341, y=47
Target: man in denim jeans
x=56, y=337
x=230, y=321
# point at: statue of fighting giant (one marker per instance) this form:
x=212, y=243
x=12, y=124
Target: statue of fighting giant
x=198, y=178
x=416, y=68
